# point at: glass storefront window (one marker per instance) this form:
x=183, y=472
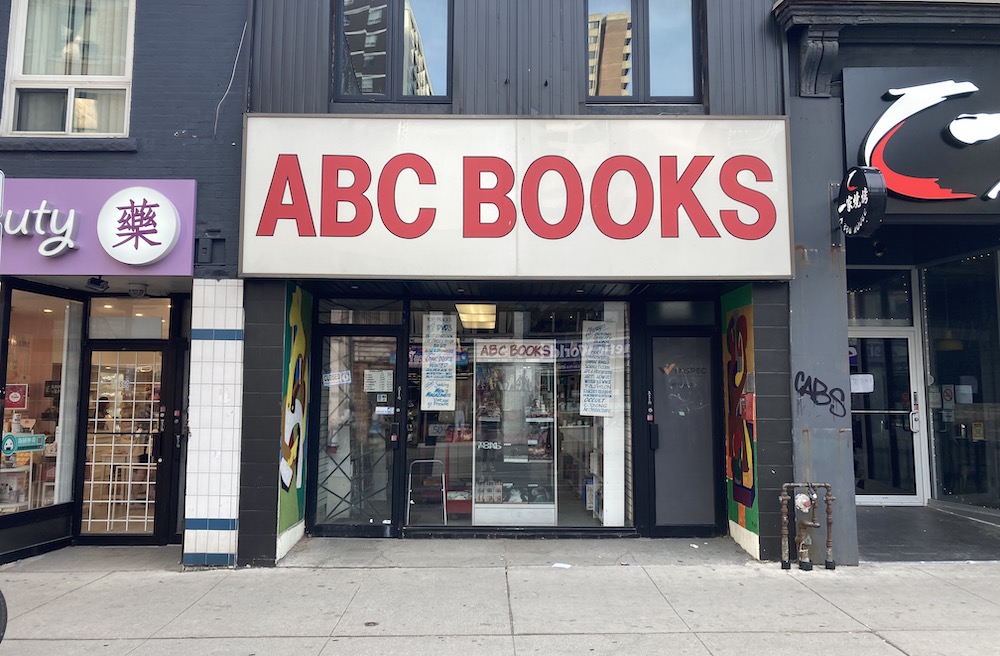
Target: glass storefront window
x=40, y=410
x=361, y=312
x=524, y=421
x=963, y=394
x=129, y=318
x=879, y=297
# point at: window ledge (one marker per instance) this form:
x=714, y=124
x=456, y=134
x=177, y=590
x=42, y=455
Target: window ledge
x=70, y=145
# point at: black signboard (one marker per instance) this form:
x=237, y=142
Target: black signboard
x=934, y=133
x=52, y=388
x=861, y=201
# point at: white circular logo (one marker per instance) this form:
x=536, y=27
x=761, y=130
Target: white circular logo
x=138, y=226
x=14, y=397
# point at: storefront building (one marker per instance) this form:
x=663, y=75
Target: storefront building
x=898, y=87
x=107, y=186
x=494, y=294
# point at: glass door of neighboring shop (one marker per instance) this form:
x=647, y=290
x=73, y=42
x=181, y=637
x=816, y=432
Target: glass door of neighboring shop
x=360, y=417
x=890, y=446
x=125, y=445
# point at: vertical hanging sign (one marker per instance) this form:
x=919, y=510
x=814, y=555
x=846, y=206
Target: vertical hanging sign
x=437, y=363
x=597, y=382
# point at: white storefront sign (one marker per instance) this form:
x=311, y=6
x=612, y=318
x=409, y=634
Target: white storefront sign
x=499, y=198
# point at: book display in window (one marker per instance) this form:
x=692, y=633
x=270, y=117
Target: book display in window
x=514, y=433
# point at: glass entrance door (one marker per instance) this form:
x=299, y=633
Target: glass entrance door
x=890, y=451
x=123, y=436
x=359, y=436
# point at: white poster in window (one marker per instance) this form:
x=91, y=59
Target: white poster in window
x=596, y=386
x=378, y=380
x=963, y=393
x=437, y=363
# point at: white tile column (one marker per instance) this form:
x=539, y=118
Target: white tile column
x=215, y=409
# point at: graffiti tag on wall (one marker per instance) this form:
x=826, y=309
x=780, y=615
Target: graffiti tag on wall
x=820, y=394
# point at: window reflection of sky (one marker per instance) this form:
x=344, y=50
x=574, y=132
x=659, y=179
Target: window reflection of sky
x=670, y=49
x=609, y=6
x=670, y=43
x=432, y=21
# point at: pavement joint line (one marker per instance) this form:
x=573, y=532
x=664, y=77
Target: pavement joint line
x=890, y=643
x=803, y=581
x=192, y=604
x=510, y=604
x=662, y=594
x=955, y=585
x=346, y=608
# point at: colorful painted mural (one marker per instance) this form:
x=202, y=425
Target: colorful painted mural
x=741, y=442
x=291, y=467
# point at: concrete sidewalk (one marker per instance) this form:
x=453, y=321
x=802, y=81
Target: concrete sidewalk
x=504, y=597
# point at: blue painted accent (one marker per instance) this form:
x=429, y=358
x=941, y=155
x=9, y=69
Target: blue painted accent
x=209, y=559
x=209, y=524
x=223, y=334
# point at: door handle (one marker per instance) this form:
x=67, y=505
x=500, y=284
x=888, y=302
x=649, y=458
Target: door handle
x=915, y=421
x=654, y=437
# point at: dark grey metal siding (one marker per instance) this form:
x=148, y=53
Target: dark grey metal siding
x=744, y=52
x=515, y=57
x=292, y=57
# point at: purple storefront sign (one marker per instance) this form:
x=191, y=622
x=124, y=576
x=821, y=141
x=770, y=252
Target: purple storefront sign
x=55, y=227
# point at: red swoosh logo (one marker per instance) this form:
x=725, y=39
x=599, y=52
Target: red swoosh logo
x=910, y=186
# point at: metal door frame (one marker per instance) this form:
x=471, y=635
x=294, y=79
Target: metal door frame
x=921, y=450
x=398, y=474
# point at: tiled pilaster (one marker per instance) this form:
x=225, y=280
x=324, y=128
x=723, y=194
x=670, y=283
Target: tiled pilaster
x=211, y=508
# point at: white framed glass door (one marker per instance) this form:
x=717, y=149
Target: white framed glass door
x=887, y=419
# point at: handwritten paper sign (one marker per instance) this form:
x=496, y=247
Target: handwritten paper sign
x=437, y=363
x=596, y=386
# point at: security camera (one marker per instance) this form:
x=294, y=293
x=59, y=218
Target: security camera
x=97, y=284
x=137, y=289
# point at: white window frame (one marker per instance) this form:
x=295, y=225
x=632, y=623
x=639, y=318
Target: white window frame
x=15, y=80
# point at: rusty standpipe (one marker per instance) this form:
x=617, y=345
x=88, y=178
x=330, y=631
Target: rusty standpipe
x=803, y=537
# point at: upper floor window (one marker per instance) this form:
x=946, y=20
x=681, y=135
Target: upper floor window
x=69, y=68
x=393, y=49
x=661, y=36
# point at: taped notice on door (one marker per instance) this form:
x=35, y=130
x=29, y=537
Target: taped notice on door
x=378, y=380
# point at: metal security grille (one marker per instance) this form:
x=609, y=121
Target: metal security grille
x=119, y=489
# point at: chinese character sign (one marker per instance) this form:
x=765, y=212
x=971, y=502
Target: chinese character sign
x=138, y=226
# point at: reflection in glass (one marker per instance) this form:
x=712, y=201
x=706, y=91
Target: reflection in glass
x=425, y=48
x=119, y=487
x=417, y=38
x=356, y=415
x=671, y=48
x=99, y=111
x=609, y=48
x=76, y=37
x=365, y=25
x=518, y=447
x=41, y=408
x=963, y=342
x=884, y=456
x=879, y=297
x=40, y=110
